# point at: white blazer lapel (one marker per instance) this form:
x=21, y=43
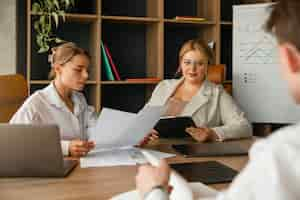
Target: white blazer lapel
x=200, y=99
x=171, y=90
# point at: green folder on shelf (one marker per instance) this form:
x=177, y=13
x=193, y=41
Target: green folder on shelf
x=106, y=65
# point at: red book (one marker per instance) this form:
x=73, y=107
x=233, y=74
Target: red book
x=113, y=66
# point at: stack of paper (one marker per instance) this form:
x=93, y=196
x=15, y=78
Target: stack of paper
x=117, y=157
x=117, y=132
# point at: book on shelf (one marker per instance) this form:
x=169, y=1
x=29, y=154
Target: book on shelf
x=112, y=64
x=150, y=79
x=190, y=18
x=107, y=67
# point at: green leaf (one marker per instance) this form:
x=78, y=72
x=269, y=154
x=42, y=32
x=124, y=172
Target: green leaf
x=44, y=46
x=43, y=26
x=50, y=4
x=39, y=40
x=55, y=17
x=37, y=26
x=36, y=8
x=47, y=28
x=67, y=3
x=62, y=14
x=72, y=2
x=43, y=49
x=58, y=40
x=43, y=20
x=56, y=4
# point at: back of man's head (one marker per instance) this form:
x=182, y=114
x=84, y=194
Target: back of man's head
x=284, y=22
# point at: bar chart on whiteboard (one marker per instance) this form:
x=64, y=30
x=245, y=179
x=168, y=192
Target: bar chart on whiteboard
x=258, y=86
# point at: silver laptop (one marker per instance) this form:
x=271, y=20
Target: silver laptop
x=32, y=151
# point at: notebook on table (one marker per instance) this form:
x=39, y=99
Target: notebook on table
x=211, y=149
x=208, y=172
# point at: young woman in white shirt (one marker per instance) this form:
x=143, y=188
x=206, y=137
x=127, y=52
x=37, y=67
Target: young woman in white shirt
x=61, y=102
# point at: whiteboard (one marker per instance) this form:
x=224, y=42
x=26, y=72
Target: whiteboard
x=8, y=37
x=258, y=86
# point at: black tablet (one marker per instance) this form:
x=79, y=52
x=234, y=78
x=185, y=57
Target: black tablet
x=207, y=172
x=211, y=149
x=174, y=127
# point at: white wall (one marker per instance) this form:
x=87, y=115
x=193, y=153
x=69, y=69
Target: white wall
x=8, y=37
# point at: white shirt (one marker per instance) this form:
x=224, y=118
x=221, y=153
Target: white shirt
x=273, y=171
x=46, y=107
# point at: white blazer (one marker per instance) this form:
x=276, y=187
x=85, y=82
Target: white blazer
x=46, y=107
x=272, y=171
x=211, y=107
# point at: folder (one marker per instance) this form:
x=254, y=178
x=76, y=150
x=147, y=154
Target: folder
x=106, y=64
x=112, y=64
x=174, y=126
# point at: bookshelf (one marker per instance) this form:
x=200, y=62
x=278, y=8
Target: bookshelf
x=144, y=40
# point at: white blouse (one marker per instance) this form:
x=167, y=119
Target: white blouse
x=46, y=107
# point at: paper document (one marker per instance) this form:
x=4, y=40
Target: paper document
x=116, y=157
x=115, y=129
x=115, y=134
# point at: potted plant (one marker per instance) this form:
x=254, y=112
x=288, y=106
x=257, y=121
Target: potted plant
x=49, y=12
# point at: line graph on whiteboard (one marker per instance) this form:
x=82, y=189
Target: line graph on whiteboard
x=261, y=51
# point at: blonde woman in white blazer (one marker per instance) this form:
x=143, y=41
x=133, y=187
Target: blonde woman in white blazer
x=214, y=112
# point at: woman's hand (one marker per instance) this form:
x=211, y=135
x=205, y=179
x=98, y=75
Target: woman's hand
x=153, y=135
x=148, y=177
x=202, y=134
x=79, y=148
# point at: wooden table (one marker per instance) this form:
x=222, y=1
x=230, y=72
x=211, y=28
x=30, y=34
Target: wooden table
x=98, y=183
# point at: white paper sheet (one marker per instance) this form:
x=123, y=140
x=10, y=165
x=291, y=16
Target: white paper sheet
x=109, y=127
x=115, y=134
x=114, y=157
x=117, y=129
x=117, y=157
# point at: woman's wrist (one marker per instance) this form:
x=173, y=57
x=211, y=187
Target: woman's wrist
x=213, y=136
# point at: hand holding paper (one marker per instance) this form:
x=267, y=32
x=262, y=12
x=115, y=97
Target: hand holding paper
x=117, y=129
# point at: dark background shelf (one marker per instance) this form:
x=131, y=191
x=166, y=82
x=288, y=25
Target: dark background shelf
x=173, y=8
x=226, y=49
x=130, y=98
x=133, y=8
x=226, y=9
x=127, y=45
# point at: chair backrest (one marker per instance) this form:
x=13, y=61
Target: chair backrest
x=216, y=73
x=13, y=92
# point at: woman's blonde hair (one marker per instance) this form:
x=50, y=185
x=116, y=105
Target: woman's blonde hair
x=64, y=53
x=194, y=45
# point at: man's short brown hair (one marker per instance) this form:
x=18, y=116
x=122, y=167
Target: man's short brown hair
x=284, y=21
